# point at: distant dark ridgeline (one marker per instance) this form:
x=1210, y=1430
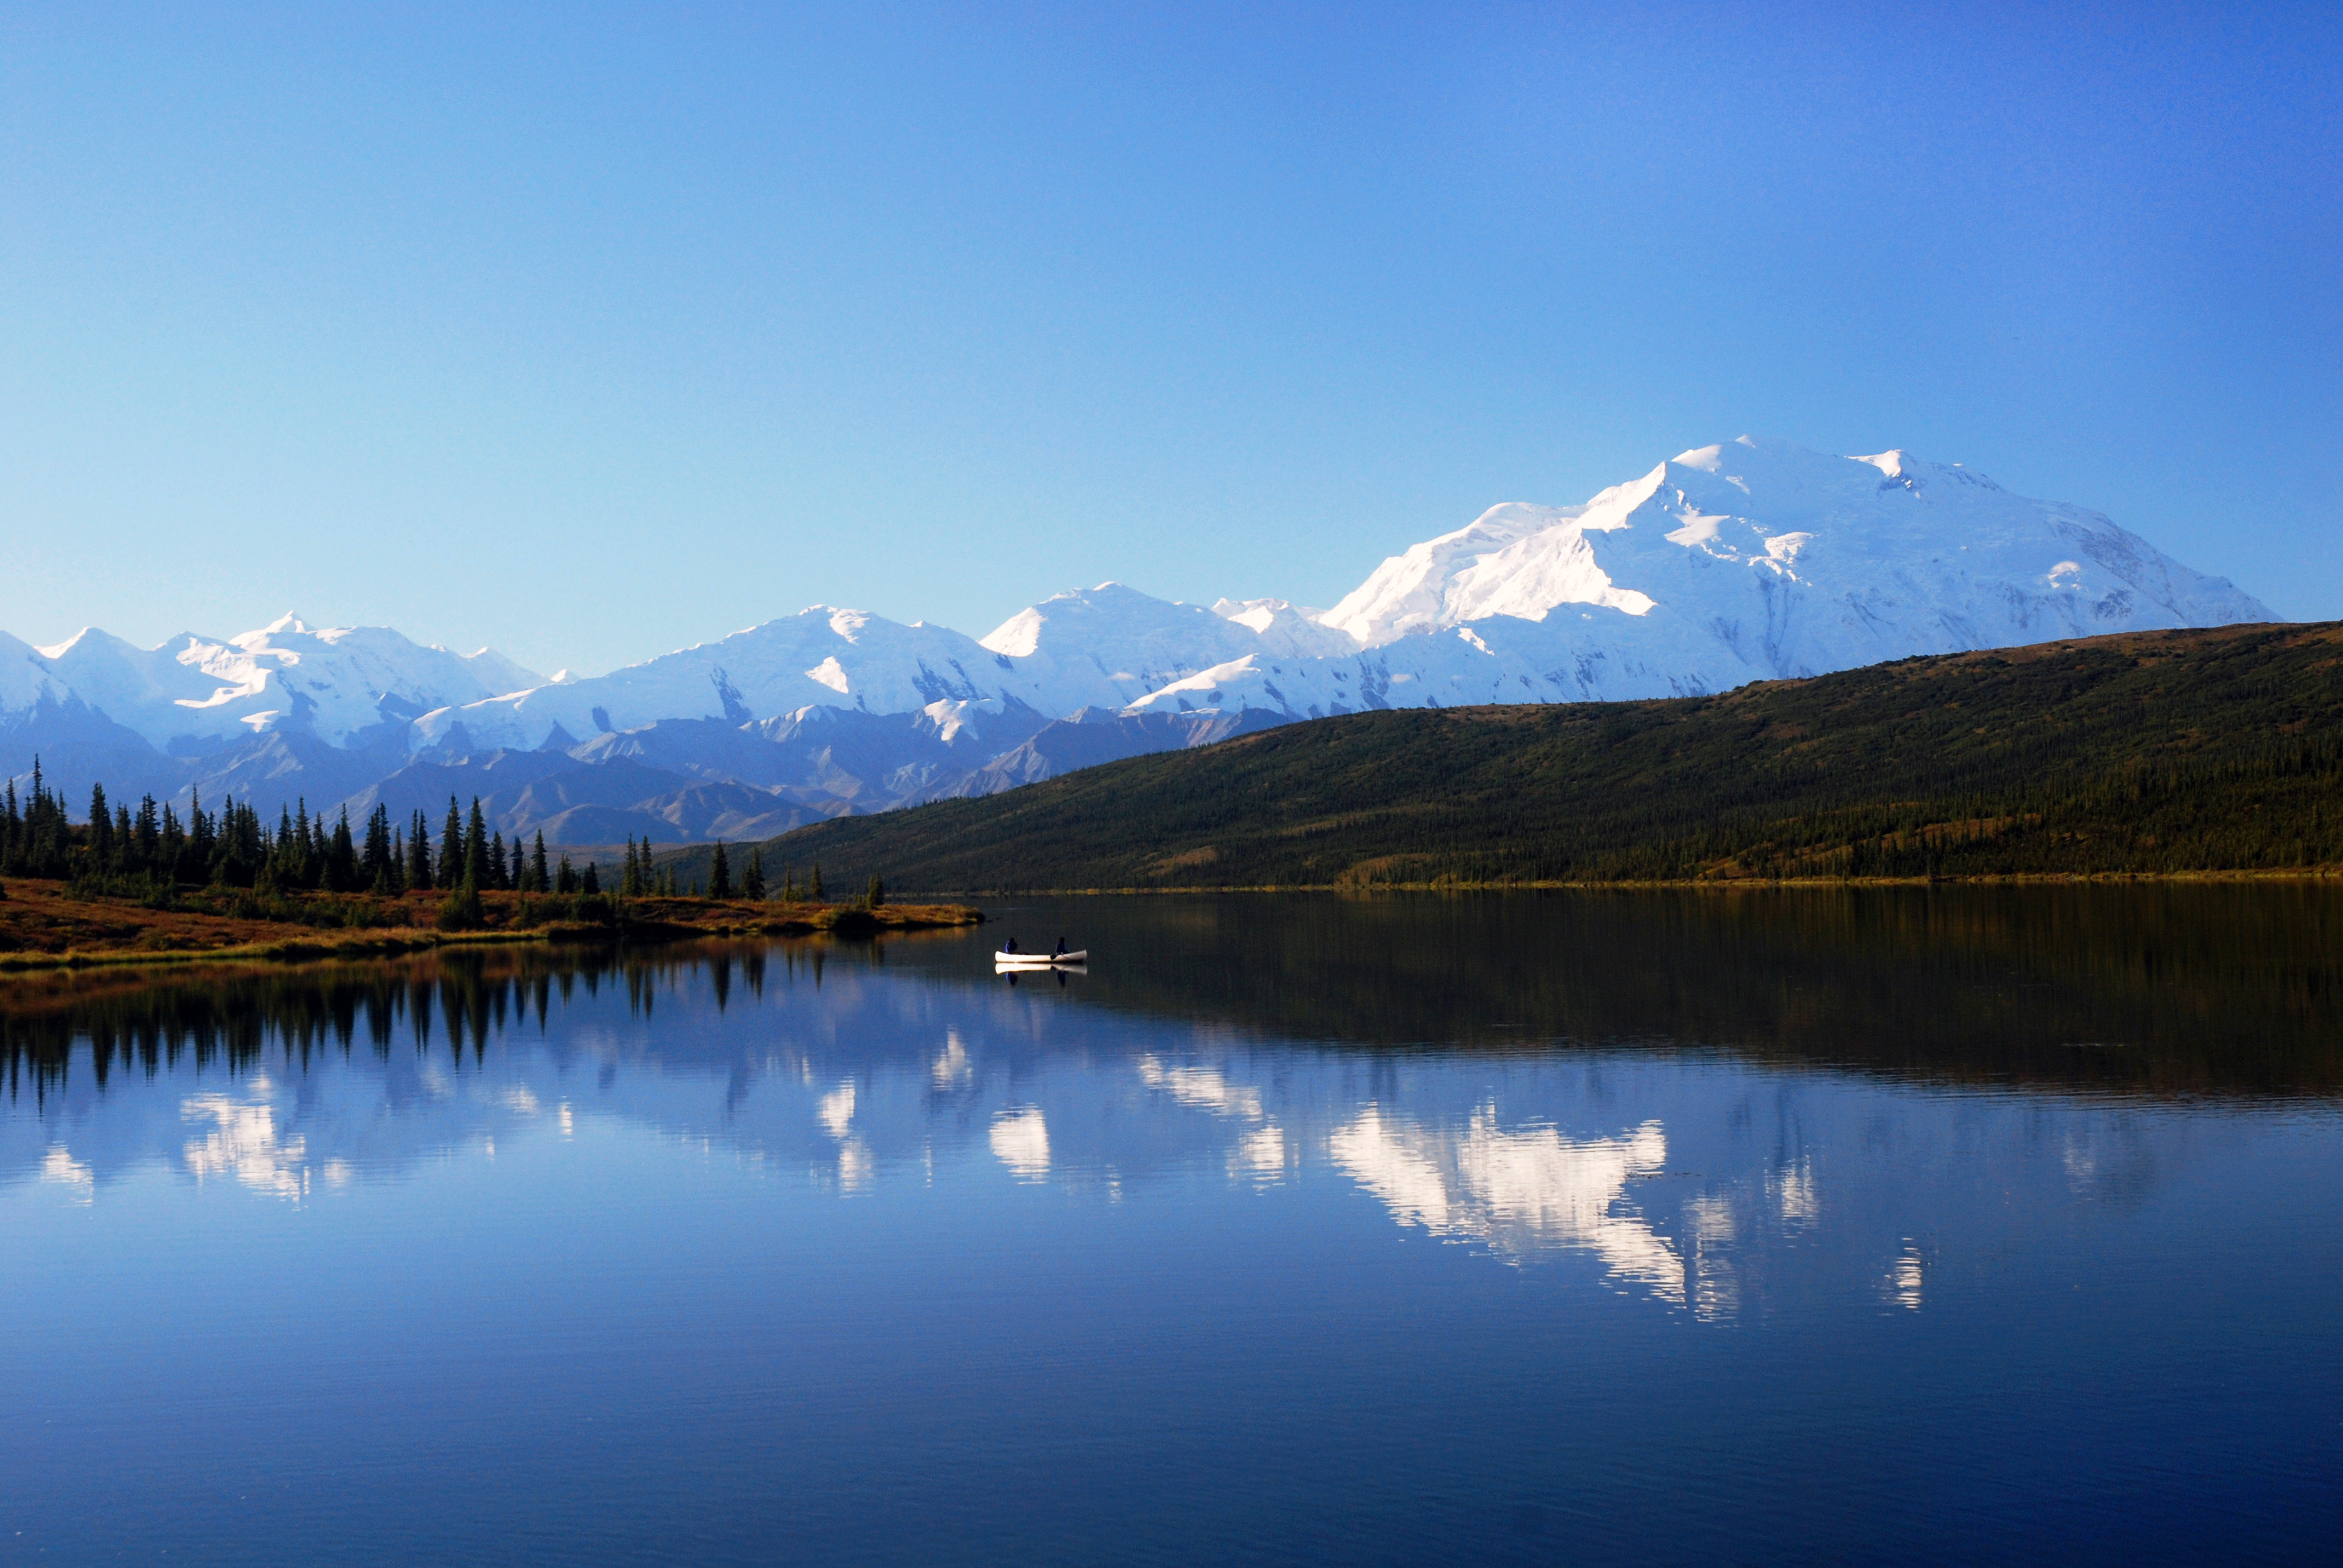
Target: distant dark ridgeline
x=2152, y=753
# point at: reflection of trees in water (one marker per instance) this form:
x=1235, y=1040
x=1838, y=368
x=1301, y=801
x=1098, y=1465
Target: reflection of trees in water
x=2163, y=987
x=2158, y=989
x=454, y=1000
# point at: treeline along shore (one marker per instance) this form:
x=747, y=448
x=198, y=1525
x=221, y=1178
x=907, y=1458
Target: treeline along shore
x=2155, y=754
x=141, y=883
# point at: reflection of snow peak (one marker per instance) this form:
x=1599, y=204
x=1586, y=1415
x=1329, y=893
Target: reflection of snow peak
x=1020, y=1140
x=1262, y=1154
x=951, y=1067
x=243, y=1143
x=1906, y=1278
x=1205, y=1087
x=1521, y=1192
x=855, y=1166
x=60, y=1167
x=837, y=1109
x=1793, y=1191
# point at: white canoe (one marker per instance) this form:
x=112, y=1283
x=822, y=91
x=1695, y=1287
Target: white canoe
x=1038, y=961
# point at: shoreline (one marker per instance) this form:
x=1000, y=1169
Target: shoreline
x=45, y=929
x=1705, y=884
x=145, y=938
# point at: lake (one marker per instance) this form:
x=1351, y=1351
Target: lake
x=1953, y=1224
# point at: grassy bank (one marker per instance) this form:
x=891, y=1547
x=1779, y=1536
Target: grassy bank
x=46, y=924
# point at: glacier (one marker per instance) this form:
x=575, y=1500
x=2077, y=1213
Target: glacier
x=1745, y=560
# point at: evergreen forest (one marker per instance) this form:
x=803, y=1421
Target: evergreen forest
x=118, y=848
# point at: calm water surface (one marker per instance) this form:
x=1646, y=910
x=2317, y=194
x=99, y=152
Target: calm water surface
x=1956, y=1224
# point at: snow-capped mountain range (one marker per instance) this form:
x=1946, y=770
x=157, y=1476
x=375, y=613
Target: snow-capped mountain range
x=1745, y=561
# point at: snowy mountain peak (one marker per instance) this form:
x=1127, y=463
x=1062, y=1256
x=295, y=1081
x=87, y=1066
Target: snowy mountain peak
x=88, y=634
x=1895, y=464
x=499, y=674
x=1092, y=609
x=1018, y=636
x=194, y=692
x=1747, y=559
x=1285, y=628
x=284, y=626
x=1515, y=559
x=1407, y=592
x=1865, y=544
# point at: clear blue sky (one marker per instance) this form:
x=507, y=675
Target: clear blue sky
x=589, y=334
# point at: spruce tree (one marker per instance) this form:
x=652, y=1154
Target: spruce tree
x=302, y=864
x=813, y=884
x=341, y=857
x=220, y=870
x=537, y=880
x=589, y=882
x=99, y=847
x=451, y=848
x=203, y=841
x=374, y=863
x=418, y=853
x=170, y=848
x=720, y=873
x=476, y=847
x=752, y=884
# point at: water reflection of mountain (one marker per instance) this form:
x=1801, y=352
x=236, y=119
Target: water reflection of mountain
x=814, y=1055
x=1689, y=1178
x=2163, y=989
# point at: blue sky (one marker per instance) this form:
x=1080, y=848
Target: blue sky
x=589, y=334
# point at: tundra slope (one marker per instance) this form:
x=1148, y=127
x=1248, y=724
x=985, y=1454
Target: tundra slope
x=2143, y=753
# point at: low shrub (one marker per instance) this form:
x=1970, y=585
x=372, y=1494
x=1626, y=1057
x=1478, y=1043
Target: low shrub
x=460, y=910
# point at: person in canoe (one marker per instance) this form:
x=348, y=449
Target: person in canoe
x=1009, y=946
x=1061, y=949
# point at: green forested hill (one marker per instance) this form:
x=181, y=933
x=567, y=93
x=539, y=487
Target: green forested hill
x=2151, y=752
